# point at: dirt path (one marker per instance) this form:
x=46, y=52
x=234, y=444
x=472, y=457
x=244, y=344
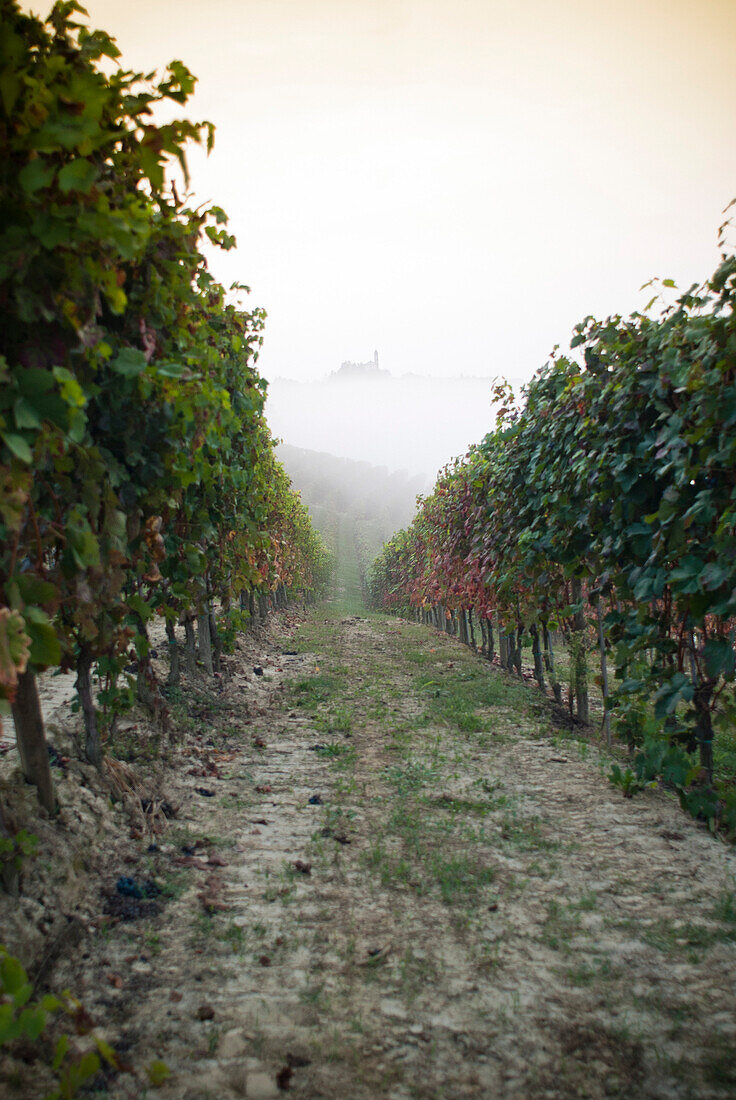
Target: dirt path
x=399, y=880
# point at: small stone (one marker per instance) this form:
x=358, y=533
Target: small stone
x=205, y=1012
x=260, y=1086
x=393, y=1008
x=233, y=1044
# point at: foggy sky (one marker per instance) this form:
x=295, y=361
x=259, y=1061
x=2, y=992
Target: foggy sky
x=410, y=423
x=455, y=183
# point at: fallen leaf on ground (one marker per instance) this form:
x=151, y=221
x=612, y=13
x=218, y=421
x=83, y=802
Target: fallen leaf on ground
x=83, y=1022
x=191, y=861
x=211, y=903
x=158, y=1073
x=283, y=1078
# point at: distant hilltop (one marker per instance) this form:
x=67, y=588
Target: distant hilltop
x=370, y=369
x=370, y=415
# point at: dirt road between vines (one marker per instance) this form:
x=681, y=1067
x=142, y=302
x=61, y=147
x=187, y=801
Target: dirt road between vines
x=391, y=875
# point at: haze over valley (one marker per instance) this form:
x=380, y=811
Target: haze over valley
x=376, y=502
x=409, y=422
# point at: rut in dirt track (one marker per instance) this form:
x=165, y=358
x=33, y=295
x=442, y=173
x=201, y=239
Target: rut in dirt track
x=426, y=892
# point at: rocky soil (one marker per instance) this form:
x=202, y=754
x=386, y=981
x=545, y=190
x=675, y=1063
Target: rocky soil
x=374, y=867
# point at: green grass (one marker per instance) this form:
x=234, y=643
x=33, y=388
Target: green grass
x=559, y=927
x=413, y=775
x=460, y=877
x=459, y=686
x=313, y=690
x=526, y=832
x=333, y=751
x=339, y=719
x=175, y=883
x=585, y=973
x=462, y=806
x=687, y=938
x=720, y=1069
x=724, y=750
x=725, y=908
x=234, y=935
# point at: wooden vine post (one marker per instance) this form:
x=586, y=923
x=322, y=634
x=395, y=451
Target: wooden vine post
x=537, y=655
x=31, y=739
x=580, y=664
x=204, y=637
x=604, y=671
x=92, y=743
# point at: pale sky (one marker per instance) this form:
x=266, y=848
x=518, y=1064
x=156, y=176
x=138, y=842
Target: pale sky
x=453, y=182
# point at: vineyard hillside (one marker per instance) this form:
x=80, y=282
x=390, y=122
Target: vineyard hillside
x=322, y=771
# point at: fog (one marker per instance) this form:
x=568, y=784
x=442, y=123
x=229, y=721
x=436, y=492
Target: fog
x=457, y=182
x=410, y=423
x=376, y=501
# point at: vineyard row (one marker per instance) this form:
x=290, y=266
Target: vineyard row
x=137, y=472
x=603, y=506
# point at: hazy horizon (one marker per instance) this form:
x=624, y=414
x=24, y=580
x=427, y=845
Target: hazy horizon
x=455, y=184
x=409, y=423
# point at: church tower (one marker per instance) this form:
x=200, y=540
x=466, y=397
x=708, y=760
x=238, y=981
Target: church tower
x=375, y=359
